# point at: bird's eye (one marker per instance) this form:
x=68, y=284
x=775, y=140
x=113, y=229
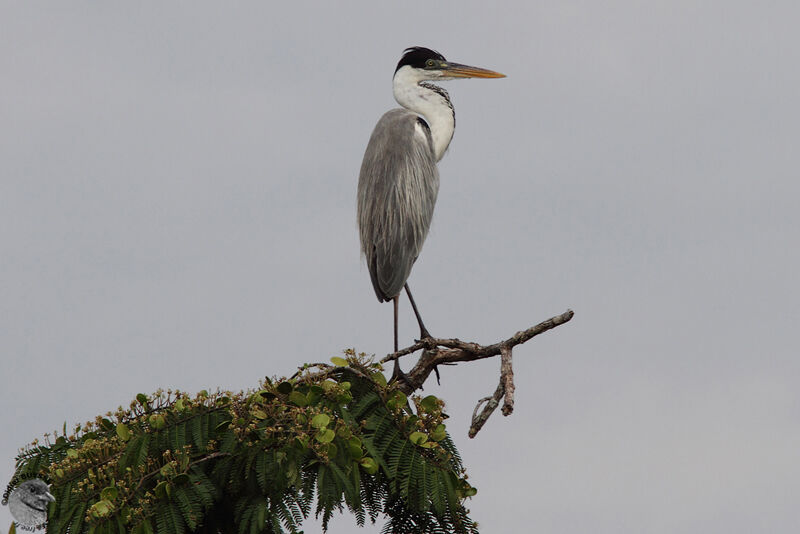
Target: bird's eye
x=32, y=489
x=430, y=63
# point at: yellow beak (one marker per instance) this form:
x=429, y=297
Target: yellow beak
x=456, y=70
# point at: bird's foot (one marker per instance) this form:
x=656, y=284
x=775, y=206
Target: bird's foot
x=424, y=334
x=398, y=377
x=428, y=343
x=426, y=339
x=397, y=374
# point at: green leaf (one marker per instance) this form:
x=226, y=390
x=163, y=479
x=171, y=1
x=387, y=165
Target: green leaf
x=439, y=433
x=157, y=421
x=12, y=529
x=379, y=378
x=285, y=388
x=123, y=432
x=181, y=479
x=268, y=395
x=101, y=508
x=325, y=435
x=397, y=401
x=354, y=448
x=258, y=413
x=429, y=403
x=184, y=462
x=369, y=465
x=293, y=473
x=320, y=420
x=142, y=399
x=72, y=453
x=418, y=438
x=161, y=489
x=298, y=398
x=313, y=396
x=333, y=450
x=339, y=362
x=179, y=405
x=106, y=424
x=109, y=493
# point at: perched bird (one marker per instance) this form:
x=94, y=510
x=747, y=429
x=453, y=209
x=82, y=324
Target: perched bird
x=399, y=182
x=28, y=503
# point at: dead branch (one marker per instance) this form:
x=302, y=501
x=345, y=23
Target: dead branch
x=449, y=351
x=504, y=389
x=507, y=379
x=491, y=403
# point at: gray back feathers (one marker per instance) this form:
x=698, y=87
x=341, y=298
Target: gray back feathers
x=397, y=190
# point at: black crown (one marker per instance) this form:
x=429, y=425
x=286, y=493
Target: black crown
x=416, y=56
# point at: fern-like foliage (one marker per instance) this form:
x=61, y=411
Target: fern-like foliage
x=327, y=439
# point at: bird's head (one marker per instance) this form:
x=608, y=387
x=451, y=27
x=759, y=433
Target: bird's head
x=35, y=493
x=419, y=63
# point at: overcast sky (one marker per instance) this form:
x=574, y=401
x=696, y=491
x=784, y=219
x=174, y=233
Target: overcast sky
x=177, y=209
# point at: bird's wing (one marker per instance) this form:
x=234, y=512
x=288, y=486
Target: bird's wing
x=397, y=190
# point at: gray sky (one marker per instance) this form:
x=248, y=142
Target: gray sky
x=177, y=209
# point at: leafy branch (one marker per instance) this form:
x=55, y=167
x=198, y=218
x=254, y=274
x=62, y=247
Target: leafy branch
x=329, y=437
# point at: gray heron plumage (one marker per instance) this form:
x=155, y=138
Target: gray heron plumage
x=399, y=181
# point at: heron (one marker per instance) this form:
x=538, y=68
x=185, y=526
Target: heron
x=398, y=182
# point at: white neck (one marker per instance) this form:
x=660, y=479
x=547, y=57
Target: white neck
x=424, y=101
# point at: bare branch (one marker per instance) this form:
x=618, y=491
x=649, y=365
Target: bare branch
x=450, y=351
x=507, y=379
x=478, y=420
x=505, y=388
x=444, y=351
x=408, y=350
x=475, y=411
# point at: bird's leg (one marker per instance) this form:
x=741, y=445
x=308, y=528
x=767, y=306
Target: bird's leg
x=397, y=374
x=395, y=302
x=423, y=332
